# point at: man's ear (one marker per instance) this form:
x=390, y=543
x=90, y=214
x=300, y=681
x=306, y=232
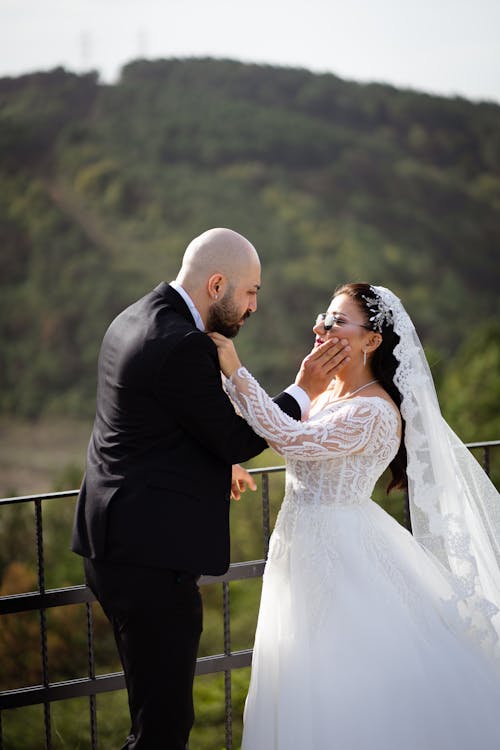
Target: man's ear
x=216, y=285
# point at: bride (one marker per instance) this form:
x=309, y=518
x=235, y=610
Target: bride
x=370, y=638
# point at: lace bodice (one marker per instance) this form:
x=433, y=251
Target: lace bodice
x=336, y=456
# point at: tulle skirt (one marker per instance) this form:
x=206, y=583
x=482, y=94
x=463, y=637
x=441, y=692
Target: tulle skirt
x=356, y=647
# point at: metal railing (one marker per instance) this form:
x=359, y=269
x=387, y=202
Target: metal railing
x=90, y=686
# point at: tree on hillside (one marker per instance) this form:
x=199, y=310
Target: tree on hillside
x=470, y=389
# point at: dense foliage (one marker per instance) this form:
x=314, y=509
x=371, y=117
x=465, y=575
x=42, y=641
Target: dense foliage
x=331, y=180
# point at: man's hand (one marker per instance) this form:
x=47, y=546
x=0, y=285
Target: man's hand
x=321, y=365
x=241, y=480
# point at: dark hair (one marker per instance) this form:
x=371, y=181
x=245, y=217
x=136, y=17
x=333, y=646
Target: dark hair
x=384, y=365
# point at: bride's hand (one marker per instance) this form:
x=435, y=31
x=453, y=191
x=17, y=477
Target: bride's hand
x=240, y=480
x=228, y=358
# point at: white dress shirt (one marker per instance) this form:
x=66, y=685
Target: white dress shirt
x=189, y=302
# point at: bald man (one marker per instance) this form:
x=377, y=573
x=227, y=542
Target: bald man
x=153, y=509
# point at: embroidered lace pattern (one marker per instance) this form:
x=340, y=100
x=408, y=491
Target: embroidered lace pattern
x=455, y=510
x=360, y=426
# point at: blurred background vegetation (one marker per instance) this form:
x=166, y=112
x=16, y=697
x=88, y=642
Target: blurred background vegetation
x=103, y=186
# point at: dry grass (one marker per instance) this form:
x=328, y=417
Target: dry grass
x=34, y=455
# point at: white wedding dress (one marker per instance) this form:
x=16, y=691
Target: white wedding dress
x=356, y=647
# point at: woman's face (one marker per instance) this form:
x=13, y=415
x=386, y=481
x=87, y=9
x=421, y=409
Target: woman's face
x=347, y=322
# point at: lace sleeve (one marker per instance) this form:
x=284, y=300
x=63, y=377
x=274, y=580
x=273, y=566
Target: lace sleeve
x=360, y=425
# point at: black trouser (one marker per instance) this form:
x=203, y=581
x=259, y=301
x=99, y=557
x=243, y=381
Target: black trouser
x=156, y=616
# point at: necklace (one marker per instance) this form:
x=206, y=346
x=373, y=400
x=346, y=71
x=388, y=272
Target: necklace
x=348, y=395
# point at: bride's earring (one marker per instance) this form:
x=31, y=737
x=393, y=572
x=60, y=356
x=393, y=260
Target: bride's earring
x=364, y=359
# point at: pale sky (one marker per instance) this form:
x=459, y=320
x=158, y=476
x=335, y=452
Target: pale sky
x=449, y=47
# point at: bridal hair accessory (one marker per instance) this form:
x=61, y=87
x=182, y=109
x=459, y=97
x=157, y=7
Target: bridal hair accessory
x=381, y=311
x=454, y=507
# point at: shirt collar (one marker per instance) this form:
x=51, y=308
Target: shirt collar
x=189, y=302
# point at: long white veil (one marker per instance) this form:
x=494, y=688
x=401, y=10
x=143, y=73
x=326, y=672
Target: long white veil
x=454, y=507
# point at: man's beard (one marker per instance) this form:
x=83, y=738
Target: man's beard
x=224, y=318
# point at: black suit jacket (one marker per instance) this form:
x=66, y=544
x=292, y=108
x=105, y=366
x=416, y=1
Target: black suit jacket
x=158, y=478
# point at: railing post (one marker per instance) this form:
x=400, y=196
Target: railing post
x=486, y=459
x=91, y=665
x=43, y=620
x=227, y=672
x=266, y=526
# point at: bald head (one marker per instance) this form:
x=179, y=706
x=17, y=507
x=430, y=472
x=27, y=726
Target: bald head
x=216, y=251
x=221, y=273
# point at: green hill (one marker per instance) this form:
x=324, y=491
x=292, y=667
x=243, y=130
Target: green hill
x=104, y=186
